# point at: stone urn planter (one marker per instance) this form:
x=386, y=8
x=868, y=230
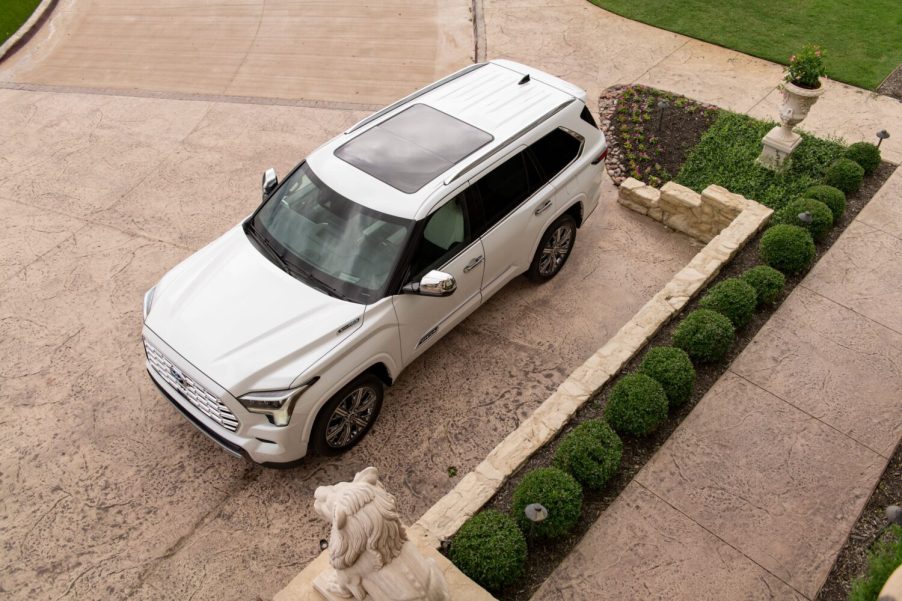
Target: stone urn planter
x=782, y=140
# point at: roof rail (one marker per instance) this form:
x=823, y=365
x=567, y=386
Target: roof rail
x=415, y=95
x=481, y=159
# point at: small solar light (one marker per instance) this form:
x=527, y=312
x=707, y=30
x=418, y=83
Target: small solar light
x=445, y=545
x=323, y=544
x=894, y=514
x=881, y=136
x=662, y=104
x=536, y=512
x=805, y=217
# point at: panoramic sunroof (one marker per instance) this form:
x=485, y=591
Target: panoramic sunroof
x=413, y=147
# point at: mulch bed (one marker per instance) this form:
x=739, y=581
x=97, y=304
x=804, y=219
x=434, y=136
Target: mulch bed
x=892, y=85
x=650, y=131
x=852, y=562
x=544, y=557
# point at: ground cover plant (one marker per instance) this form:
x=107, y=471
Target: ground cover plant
x=883, y=559
x=861, y=38
x=768, y=287
x=12, y=14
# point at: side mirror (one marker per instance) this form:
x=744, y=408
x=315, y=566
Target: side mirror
x=270, y=181
x=434, y=283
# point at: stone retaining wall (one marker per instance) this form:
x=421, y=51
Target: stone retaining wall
x=701, y=216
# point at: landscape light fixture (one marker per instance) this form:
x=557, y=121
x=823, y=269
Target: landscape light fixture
x=881, y=136
x=662, y=105
x=894, y=514
x=323, y=544
x=805, y=217
x=536, y=512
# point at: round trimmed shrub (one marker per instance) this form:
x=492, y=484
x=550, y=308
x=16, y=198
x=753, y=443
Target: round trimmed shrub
x=732, y=298
x=637, y=405
x=788, y=248
x=767, y=282
x=844, y=174
x=705, y=335
x=821, y=216
x=558, y=492
x=590, y=453
x=673, y=370
x=490, y=549
x=830, y=196
x=865, y=154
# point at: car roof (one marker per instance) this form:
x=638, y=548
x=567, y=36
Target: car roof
x=386, y=163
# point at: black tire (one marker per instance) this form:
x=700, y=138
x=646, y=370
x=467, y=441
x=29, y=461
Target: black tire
x=325, y=439
x=554, y=249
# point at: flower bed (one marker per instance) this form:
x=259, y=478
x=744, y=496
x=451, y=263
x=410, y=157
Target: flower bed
x=749, y=294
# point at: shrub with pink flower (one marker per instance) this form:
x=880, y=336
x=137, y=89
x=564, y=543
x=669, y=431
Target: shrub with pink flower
x=806, y=67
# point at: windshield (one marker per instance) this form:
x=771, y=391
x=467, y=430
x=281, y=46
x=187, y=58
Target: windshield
x=345, y=248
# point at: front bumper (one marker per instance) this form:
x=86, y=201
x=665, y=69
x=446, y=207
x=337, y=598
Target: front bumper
x=255, y=439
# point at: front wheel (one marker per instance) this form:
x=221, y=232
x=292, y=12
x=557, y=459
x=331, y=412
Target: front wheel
x=554, y=249
x=346, y=418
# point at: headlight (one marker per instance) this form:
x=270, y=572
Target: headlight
x=277, y=405
x=148, y=301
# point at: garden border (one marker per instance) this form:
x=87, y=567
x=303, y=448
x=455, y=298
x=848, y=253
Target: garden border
x=26, y=30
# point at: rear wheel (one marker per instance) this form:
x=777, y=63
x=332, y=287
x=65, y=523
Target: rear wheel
x=346, y=418
x=554, y=249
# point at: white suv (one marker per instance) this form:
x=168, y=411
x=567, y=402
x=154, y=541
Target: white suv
x=280, y=336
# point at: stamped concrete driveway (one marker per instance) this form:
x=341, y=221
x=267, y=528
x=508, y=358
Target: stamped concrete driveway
x=105, y=491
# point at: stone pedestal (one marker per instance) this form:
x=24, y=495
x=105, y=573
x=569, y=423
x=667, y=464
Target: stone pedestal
x=778, y=145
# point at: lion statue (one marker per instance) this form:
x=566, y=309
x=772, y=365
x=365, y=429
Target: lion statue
x=368, y=547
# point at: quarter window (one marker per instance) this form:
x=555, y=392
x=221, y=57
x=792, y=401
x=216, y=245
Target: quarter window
x=554, y=152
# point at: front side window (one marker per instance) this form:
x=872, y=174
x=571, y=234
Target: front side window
x=445, y=234
x=329, y=241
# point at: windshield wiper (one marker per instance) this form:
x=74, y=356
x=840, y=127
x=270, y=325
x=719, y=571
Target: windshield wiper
x=280, y=260
x=331, y=291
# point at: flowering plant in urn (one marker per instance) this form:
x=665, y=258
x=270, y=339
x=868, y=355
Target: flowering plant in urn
x=806, y=67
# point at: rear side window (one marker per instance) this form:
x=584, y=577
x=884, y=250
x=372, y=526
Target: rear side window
x=554, y=152
x=505, y=187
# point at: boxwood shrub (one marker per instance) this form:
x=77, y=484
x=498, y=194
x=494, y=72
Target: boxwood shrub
x=865, y=154
x=705, y=335
x=844, y=174
x=830, y=196
x=637, y=405
x=732, y=298
x=490, y=549
x=767, y=282
x=558, y=492
x=590, y=453
x=673, y=370
x=821, y=216
x=788, y=248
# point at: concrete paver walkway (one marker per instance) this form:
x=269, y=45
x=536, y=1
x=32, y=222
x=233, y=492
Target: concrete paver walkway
x=754, y=494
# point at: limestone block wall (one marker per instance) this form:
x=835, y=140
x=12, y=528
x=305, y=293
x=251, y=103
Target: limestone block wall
x=701, y=216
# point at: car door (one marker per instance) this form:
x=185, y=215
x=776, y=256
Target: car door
x=519, y=203
x=443, y=242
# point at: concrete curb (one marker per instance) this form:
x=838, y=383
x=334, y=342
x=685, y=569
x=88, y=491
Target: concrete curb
x=24, y=33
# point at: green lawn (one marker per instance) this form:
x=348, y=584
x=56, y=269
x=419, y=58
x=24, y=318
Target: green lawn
x=12, y=14
x=863, y=38
x=726, y=156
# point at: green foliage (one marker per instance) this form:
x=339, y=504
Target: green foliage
x=821, y=216
x=883, y=559
x=558, y=492
x=830, y=196
x=767, y=282
x=732, y=298
x=806, y=67
x=788, y=248
x=865, y=154
x=705, y=335
x=673, y=370
x=862, y=37
x=490, y=549
x=590, y=453
x=844, y=174
x=726, y=155
x=637, y=405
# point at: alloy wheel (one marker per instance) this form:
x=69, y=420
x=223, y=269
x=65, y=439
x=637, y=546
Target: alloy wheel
x=351, y=417
x=555, y=251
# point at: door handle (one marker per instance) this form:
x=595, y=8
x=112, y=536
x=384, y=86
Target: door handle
x=545, y=206
x=473, y=264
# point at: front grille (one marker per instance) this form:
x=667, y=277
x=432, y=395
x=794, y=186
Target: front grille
x=194, y=393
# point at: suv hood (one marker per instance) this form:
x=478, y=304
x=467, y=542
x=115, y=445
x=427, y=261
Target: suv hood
x=244, y=322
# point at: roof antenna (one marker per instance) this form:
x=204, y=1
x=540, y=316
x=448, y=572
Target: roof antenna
x=524, y=80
